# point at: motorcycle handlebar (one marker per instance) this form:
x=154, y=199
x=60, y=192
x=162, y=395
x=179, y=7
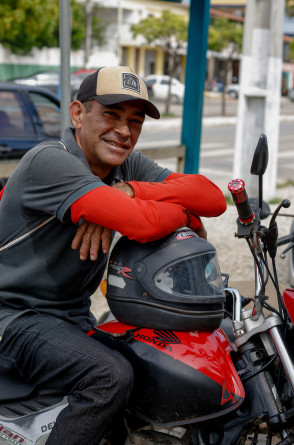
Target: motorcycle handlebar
x=240, y=198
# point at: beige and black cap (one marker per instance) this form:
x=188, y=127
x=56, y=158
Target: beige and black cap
x=110, y=85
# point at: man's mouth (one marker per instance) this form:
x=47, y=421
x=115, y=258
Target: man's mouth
x=117, y=144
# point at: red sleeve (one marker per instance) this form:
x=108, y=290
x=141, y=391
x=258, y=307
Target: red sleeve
x=142, y=220
x=1, y=193
x=194, y=192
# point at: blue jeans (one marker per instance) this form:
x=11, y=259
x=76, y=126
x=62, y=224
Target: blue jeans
x=50, y=353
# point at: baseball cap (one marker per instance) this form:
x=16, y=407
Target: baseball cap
x=110, y=85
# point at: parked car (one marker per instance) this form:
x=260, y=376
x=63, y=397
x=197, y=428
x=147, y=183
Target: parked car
x=214, y=85
x=51, y=80
x=233, y=90
x=83, y=72
x=157, y=86
x=291, y=94
x=28, y=115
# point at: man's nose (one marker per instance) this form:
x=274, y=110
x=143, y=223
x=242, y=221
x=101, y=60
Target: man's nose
x=123, y=129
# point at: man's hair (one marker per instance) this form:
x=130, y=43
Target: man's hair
x=88, y=105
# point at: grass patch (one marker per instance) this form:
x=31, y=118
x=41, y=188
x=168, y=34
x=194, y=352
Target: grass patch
x=275, y=200
x=168, y=115
x=229, y=200
x=288, y=183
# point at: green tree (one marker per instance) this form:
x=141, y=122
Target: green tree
x=169, y=32
x=95, y=21
x=290, y=12
x=25, y=24
x=225, y=36
x=290, y=7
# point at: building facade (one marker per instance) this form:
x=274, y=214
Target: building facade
x=121, y=48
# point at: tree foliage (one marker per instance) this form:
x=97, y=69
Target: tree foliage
x=290, y=7
x=25, y=24
x=225, y=35
x=169, y=32
x=290, y=12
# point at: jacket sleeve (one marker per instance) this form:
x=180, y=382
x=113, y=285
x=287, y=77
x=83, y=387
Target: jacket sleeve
x=195, y=193
x=142, y=220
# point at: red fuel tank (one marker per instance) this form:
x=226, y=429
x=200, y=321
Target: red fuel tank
x=288, y=297
x=180, y=377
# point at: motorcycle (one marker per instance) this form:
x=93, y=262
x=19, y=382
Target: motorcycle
x=218, y=373
x=288, y=239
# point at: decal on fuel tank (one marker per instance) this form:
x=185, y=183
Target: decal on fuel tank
x=162, y=338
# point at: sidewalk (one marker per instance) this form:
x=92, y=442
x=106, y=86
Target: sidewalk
x=176, y=122
x=208, y=119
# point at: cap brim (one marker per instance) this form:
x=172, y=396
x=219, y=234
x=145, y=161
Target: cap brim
x=111, y=99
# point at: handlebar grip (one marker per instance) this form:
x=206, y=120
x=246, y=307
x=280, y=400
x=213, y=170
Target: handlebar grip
x=240, y=198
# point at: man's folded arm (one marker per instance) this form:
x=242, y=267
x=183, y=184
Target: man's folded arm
x=142, y=220
x=195, y=193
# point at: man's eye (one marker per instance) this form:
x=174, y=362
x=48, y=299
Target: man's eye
x=137, y=121
x=111, y=113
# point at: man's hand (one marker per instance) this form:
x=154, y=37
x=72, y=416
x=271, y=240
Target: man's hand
x=88, y=237
x=201, y=232
x=124, y=187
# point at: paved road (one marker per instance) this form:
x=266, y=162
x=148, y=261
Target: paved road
x=212, y=106
x=217, y=144
x=217, y=153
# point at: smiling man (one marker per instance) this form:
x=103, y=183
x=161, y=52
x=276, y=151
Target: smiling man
x=92, y=175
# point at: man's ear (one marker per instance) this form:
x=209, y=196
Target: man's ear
x=76, y=112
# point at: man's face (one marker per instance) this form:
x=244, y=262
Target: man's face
x=107, y=134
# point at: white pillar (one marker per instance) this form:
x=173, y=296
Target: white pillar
x=260, y=91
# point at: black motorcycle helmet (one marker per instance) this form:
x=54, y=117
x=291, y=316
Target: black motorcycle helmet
x=173, y=283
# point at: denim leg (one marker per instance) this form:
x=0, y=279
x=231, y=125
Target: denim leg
x=55, y=354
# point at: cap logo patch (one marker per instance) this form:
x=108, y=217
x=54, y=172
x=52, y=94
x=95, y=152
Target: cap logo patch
x=131, y=82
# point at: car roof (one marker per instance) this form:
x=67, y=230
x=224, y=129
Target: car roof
x=21, y=87
x=160, y=76
x=156, y=75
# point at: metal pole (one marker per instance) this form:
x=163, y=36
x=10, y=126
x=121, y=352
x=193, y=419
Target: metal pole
x=195, y=78
x=65, y=47
x=260, y=91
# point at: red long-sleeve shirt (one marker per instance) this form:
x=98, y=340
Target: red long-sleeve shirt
x=157, y=209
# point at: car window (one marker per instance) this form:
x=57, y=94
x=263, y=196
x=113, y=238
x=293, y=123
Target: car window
x=150, y=82
x=164, y=81
x=49, y=114
x=14, y=118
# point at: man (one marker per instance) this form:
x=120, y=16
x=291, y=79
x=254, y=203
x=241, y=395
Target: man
x=92, y=175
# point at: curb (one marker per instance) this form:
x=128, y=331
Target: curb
x=176, y=122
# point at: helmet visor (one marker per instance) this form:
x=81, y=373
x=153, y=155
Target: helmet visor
x=196, y=275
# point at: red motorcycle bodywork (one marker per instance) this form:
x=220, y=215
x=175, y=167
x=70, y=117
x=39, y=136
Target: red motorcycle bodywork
x=288, y=297
x=180, y=377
